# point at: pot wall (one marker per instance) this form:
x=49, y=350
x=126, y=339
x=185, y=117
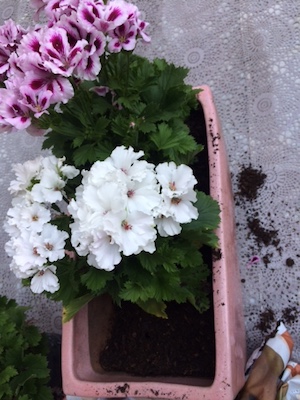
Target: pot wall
x=82, y=374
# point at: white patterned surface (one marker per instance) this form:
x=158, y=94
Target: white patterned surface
x=248, y=52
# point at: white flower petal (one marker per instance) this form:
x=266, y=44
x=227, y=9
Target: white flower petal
x=45, y=280
x=167, y=226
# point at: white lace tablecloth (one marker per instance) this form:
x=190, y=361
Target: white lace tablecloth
x=248, y=52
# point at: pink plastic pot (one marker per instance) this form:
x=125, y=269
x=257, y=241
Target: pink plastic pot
x=82, y=374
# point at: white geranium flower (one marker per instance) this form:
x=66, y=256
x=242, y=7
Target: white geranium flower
x=109, y=197
x=9, y=247
x=49, y=189
x=26, y=253
x=180, y=209
x=57, y=165
x=177, y=192
x=45, y=280
x=42, y=179
x=69, y=171
x=127, y=161
x=176, y=180
x=123, y=158
x=34, y=217
x=25, y=174
x=12, y=222
x=22, y=274
x=100, y=172
x=29, y=216
x=80, y=239
x=115, y=206
x=11, y=229
x=104, y=254
x=132, y=232
x=143, y=196
x=50, y=243
x=167, y=226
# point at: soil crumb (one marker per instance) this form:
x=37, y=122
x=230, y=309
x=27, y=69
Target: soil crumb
x=263, y=235
x=250, y=180
x=289, y=315
x=289, y=262
x=266, y=320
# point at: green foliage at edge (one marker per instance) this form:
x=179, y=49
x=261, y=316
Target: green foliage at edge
x=24, y=373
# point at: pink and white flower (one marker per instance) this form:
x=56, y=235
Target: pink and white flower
x=54, y=9
x=13, y=112
x=90, y=14
x=37, y=102
x=123, y=37
x=58, y=55
x=11, y=34
x=36, y=64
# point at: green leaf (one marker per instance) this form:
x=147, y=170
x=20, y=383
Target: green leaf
x=32, y=335
x=154, y=307
x=101, y=126
x=77, y=142
x=34, y=367
x=6, y=392
x=135, y=292
x=100, y=105
x=68, y=273
x=89, y=153
x=174, y=141
x=44, y=393
x=75, y=305
x=37, y=364
x=163, y=138
x=209, y=211
x=6, y=374
x=96, y=279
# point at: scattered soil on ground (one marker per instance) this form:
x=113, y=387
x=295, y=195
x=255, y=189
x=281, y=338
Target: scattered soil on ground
x=250, y=181
x=267, y=320
x=263, y=235
x=290, y=315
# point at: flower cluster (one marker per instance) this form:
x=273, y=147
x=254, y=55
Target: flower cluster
x=116, y=209
x=122, y=200
x=38, y=67
x=35, y=244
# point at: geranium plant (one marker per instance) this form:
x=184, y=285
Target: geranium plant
x=113, y=209
x=24, y=373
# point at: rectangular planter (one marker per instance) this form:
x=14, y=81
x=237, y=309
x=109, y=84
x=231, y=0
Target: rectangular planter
x=81, y=344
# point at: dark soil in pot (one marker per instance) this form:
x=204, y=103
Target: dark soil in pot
x=183, y=344
x=54, y=364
